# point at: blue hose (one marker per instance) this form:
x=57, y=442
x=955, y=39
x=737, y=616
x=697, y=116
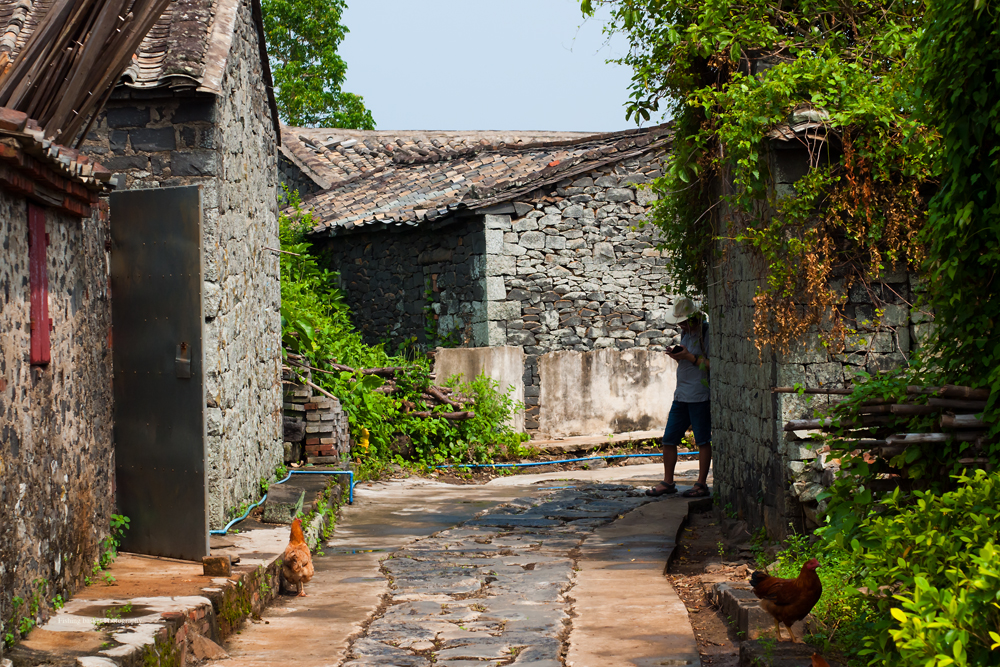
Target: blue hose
x=350, y=494
x=548, y=463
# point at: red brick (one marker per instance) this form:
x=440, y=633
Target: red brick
x=321, y=450
x=12, y=120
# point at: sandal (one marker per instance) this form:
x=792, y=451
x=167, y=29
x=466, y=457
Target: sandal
x=699, y=490
x=661, y=489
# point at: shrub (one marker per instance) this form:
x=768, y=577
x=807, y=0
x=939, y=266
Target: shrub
x=316, y=324
x=930, y=565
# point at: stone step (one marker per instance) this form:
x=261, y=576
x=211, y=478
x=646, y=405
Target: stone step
x=767, y=653
x=283, y=503
x=737, y=602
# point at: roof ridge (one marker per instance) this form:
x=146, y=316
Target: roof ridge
x=394, y=150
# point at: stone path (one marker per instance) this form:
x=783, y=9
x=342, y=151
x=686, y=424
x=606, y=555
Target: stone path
x=490, y=592
x=420, y=573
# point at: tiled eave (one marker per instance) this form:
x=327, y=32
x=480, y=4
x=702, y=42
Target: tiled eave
x=53, y=175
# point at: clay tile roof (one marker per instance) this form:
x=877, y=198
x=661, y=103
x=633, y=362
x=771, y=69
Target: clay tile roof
x=187, y=46
x=382, y=178
x=22, y=144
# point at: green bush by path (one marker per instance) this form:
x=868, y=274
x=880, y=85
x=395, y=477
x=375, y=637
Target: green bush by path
x=316, y=324
x=932, y=568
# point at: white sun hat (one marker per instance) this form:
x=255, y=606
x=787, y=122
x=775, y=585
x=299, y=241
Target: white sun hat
x=684, y=309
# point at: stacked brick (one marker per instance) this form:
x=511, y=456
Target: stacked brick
x=316, y=427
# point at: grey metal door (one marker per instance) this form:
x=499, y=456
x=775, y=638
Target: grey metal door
x=159, y=387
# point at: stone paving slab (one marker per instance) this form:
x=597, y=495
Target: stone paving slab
x=420, y=522
x=505, y=587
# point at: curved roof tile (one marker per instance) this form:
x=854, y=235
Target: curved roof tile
x=405, y=178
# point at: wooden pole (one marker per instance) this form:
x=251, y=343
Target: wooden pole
x=810, y=390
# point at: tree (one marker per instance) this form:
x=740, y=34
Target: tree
x=730, y=72
x=302, y=41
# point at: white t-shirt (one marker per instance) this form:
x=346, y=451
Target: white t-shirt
x=692, y=382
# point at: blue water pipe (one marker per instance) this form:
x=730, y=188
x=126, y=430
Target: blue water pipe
x=350, y=494
x=548, y=463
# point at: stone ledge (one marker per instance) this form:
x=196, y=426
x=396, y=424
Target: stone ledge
x=782, y=654
x=166, y=629
x=737, y=602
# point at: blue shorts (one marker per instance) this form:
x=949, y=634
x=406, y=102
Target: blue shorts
x=696, y=416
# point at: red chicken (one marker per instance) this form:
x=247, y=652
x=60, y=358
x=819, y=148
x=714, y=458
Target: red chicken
x=818, y=661
x=788, y=600
x=297, y=566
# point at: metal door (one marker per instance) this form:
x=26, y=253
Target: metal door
x=159, y=387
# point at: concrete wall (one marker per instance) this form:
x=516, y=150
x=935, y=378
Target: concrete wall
x=160, y=138
x=503, y=364
x=604, y=391
x=56, y=455
x=417, y=283
x=770, y=478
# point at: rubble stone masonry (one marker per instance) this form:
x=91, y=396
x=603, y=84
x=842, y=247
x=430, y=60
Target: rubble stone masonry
x=401, y=285
x=56, y=456
x=767, y=477
x=571, y=268
x=227, y=145
x=576, y=271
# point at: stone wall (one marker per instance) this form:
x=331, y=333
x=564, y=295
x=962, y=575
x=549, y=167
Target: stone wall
x=415, y=283
x=770, y=478
x=292, y=179
x=162, y=138
x=576, y=271
x=570, y=269
x=56, y=455
x=243, y=288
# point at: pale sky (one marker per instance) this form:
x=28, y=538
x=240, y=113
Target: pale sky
x=484, y=65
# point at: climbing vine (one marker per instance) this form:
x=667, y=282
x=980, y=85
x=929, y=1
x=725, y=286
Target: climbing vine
x=731, y=74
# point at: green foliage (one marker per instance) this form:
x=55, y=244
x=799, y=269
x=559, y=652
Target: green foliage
x=959, y=79
x=316, y=324
x=109, y=545
x=729, y=73
x=937, y=556
x=481, y=439
x=302, y=41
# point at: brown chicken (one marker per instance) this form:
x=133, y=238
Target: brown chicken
x=818, y=661
x=297, y=566
x=788, y=600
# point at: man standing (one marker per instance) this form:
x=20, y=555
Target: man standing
x=691, y=407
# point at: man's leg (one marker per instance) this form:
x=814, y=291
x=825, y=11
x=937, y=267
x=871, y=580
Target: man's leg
x=678, y=422
x=701, y=424
x=669, y=462
x=704, y=461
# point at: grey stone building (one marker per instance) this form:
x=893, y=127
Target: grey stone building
x=525, y=242
x=196, y=108
x=768, y=477
x=56, y=453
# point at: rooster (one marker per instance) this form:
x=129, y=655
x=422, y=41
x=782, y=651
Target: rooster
x=788, y=600
x=297, y=566
x=818, y=661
